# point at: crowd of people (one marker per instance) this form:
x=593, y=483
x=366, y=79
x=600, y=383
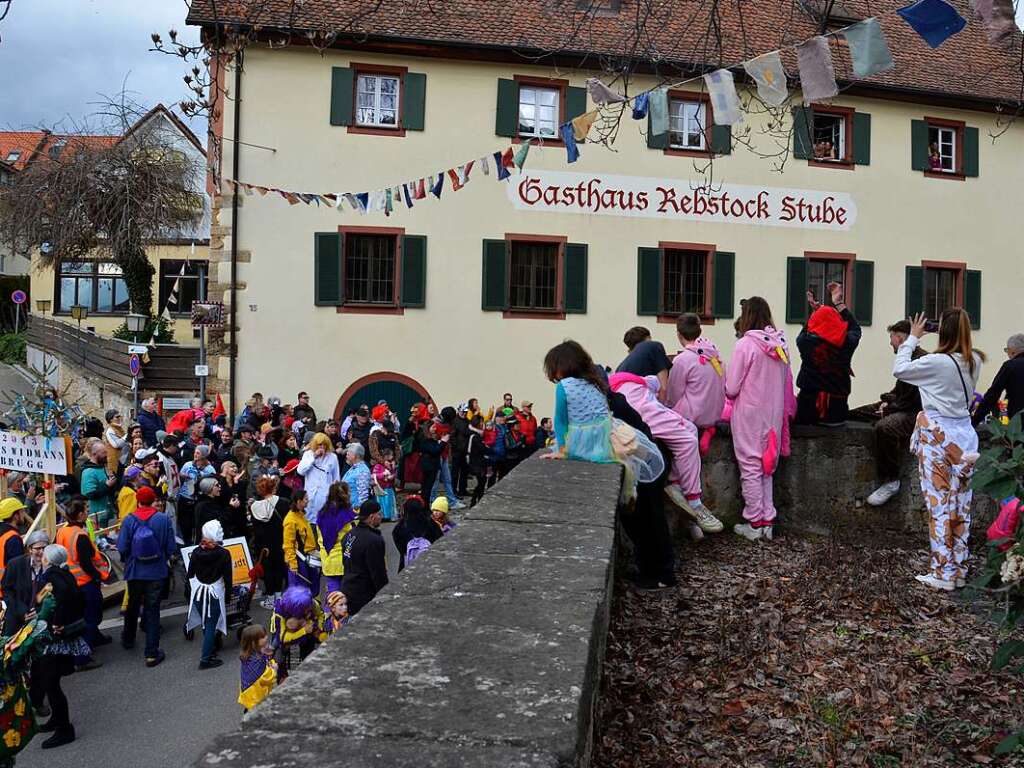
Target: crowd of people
x=307, y=496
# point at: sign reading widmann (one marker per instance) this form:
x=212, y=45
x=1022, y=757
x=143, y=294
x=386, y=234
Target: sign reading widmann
x=605, y=195
x=33, y=453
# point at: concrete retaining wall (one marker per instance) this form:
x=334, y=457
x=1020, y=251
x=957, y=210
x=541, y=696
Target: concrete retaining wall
x=486, y=652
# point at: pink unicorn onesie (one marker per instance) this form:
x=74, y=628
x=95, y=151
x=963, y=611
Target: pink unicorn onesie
x=680, y=435
x=696, y=387
x=760, y=385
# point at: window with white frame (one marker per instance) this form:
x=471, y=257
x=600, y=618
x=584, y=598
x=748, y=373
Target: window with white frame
x=377, y=100
x=687, y=125
x=13, y=156
x=538, y=111
x=942, y=149
x=829, y=137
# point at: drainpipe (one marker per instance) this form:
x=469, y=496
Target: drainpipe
x=234, y=232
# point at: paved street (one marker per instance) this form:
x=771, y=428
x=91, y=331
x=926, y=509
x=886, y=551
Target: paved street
x=11, y=381
x=128, y=715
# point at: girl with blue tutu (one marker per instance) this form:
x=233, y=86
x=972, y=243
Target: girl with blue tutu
x=384, y=475
x=583, y=420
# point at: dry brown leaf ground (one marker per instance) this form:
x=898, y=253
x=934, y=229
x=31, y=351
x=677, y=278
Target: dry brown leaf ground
x=801, y=652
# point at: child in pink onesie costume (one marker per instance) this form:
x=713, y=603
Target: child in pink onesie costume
x=680, y=435
x=696, y=383
x=760, y=384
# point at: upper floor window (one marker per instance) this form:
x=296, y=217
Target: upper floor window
x=370, y=268
x=100, y=286
x=183, y=285
x=378, y=97
x=943, y=148
x=687, y=124
x=538, y=111
x=13, y=156
x=946, y=149
x=830, y=137
x=821, y=272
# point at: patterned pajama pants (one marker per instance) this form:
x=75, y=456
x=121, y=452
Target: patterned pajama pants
x=946, y=450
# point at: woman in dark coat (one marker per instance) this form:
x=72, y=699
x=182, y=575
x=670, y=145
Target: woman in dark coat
x=430, y=449
x=58, y=658
x=268, y=533
x=826, y=345
x=415, y=522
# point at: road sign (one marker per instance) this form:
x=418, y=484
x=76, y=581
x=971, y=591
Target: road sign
x=19, y=297
x=207, y=313
x=202, y=370
x=134, y=365
x=137, y=349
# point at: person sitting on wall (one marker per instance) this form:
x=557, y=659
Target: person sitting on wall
x=826, y=345
x=646, y=358
x=894, y=418
x=1009, y=379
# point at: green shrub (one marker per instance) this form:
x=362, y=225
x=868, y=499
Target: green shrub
x=12, y=347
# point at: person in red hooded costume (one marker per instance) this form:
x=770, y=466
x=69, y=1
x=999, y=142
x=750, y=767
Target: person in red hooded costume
x=826, y=345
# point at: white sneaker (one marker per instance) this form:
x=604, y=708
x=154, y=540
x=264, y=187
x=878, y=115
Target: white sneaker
x=459, y=505
x=676, y=496
x=936, y=583
x=748, y=532
x=884, y=493
x=767, y=532
x=695, y=532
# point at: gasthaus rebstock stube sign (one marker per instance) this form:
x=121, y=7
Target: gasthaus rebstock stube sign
x=637, y=196
x=32, y=453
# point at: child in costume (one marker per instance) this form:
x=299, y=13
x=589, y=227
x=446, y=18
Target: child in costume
x=583, y=421
x=439, y=514
x=760, y=384
x=334, y=521
x=337, y=612
x=696, y=383
x=826, y=345
x=296, y=629
x=259, y=670
x=384, y=485
x=301, y=546
x=209, y=573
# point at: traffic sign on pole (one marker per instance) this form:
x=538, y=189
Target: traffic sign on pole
x=134, y=365
x=19, y=297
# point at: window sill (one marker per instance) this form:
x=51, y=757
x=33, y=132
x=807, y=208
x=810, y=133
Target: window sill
x=846, y=165
x=370, y=309
x=944, y=175
x=707, y=154
x=671, y=319
x=526, y=314
x=367, y=130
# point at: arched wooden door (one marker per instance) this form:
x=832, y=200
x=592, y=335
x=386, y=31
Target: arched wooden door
x=400, y=391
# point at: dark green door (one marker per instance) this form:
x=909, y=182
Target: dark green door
x=399, y=395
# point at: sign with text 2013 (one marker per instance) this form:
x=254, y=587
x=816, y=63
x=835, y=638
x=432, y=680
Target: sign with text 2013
x=637, y=196
x=32, y=453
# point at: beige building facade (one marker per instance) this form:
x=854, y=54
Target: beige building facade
x=462, y=296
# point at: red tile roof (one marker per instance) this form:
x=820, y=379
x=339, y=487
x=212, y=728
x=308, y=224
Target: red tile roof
x=35, y=145
x=967, y=67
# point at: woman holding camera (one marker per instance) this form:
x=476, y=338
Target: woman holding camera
x=944, y=439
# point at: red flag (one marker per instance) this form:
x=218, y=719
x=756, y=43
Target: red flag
x=456, y=182
x=508, y=158
x=220, y=410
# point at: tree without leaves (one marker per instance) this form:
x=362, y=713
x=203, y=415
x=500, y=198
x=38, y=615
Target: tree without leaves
x=102, y=199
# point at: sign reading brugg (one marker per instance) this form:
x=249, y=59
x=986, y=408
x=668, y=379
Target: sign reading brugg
x=561, y=192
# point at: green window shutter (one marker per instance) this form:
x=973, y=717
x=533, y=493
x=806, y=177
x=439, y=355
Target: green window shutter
x=803, y=144
x=342, y=87
x=863, y=291
x=414, y=100
x=919, y=145
x=721, y=139
x=723, y=284
x=648, y=281
x=574, y=279
x=506, y=121
x=914, y=297
x=495, y=276
x=861, y=138
x=972, y=296
x=414, y=271
x=327, y=284
x=656, y=142
x=970, y=151
x=796, y=290
x=575, y=102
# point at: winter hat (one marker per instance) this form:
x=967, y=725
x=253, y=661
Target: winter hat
x=212, y=531
x=132, y=472
x=827, y=323
x=143, y=454
x=37, y=537
x=379, y=412
x=369, y=507
x=294, y=603
x=145, y=495
x=440, y=504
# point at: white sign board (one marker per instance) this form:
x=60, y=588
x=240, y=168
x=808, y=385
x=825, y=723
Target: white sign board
x=137, y=349
x=30, y=453
x=202, y=370
x=680, y=199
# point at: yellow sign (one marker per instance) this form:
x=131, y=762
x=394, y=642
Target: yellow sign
x=241, y=560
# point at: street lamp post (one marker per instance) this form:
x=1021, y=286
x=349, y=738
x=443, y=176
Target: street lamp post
x=136, y=324
x=80, y=312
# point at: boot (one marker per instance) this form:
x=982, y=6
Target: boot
x=60, y=737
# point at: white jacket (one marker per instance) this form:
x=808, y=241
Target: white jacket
x=943, y=391
x=319, y=475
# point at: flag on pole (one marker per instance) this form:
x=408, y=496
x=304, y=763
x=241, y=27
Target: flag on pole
x=724, y=101
x=817, y=75
x=868, y=50
x=769, y=74
x=934, y=20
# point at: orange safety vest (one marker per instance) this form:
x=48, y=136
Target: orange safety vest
x=67, y=537
x=3, y=546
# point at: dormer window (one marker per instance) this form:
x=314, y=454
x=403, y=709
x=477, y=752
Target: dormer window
x=13, y=156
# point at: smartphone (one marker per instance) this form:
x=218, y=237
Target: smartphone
x=931, y=326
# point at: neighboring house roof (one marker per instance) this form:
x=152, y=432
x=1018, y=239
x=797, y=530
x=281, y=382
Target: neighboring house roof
x=966, y=67
x=178, y=123
x=20, y=148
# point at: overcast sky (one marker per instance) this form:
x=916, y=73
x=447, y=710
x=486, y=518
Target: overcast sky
x=58, y=56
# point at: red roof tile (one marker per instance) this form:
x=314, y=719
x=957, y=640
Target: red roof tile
x=31, y=146
x=966, y=67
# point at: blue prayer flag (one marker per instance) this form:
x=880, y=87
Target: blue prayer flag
x=640, y=106
x=569, y=138
x=934, y=20
x=436, y=189
x=502, y=170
